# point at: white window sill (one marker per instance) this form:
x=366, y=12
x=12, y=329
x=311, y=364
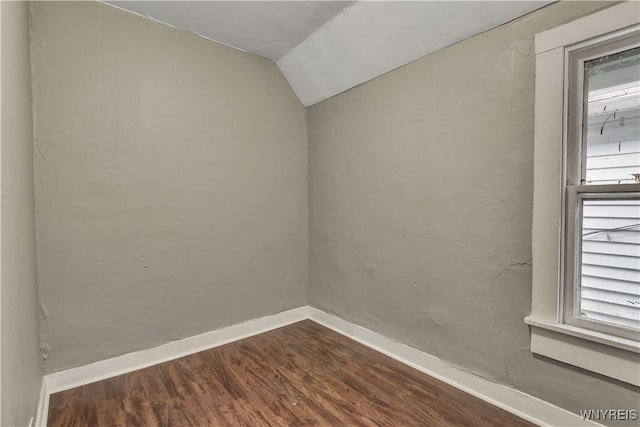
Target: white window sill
x=614, y=357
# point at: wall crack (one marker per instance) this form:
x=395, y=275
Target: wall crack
x=494, y=316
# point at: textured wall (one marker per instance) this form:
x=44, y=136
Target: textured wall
x=171, y=184
x=21, y=362
x=421, y=189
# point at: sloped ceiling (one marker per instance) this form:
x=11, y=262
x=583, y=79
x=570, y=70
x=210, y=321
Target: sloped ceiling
x=266, y=28
x=326, y=47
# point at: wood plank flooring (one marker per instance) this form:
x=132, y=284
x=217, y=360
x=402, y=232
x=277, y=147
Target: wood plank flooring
x=301, y=374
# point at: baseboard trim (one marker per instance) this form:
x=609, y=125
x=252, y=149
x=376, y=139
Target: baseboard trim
x=43, y=405
x=521, y=404
x=75, y=377
x=518, y=403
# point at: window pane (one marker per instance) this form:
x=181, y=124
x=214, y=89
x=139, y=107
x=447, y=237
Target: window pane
x=612, y=137
x=610, y=261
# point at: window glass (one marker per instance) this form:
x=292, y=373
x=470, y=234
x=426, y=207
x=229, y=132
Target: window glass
x=610, y=261
x=611, y=137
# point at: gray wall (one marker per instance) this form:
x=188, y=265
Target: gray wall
x=21, y=362
x=171, y=184
x=421, y=189
x=171, y=191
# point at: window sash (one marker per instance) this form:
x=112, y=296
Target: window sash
x=574, y=175
x=573, y=258
x=575, y=150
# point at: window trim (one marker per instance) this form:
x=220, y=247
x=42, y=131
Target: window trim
x=613, y=356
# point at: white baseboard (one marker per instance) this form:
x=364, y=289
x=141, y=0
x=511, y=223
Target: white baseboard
x=523, y=405
x=518, y=403
x=43, y=405
x=75, y=377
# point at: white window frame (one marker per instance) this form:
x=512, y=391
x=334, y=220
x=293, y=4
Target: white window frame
x=597, y=351
x=575, y=170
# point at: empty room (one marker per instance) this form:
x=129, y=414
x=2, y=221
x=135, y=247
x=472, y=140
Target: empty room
x=331, y=213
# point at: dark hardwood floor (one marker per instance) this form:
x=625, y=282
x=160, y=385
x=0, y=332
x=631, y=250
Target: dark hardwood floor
x=301, y=374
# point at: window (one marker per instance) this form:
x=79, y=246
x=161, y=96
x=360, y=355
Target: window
x=586, y=225
x=602, y=217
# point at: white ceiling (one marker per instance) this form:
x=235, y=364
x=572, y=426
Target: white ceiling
x=266, y=28
x=326, y=47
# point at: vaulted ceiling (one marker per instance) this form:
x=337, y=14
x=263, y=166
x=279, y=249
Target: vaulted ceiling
x=326, y=47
